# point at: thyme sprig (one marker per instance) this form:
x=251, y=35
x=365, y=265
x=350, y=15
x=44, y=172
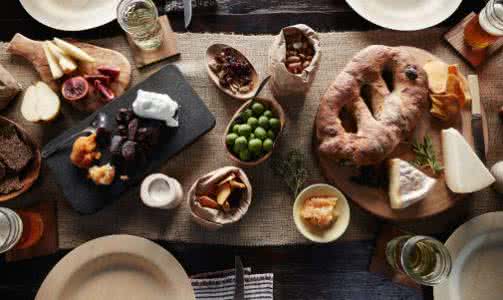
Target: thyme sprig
x=425, y=155
x=292, y=169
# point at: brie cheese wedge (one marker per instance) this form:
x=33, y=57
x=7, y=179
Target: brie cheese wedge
x=464, y=171
x=407, y=185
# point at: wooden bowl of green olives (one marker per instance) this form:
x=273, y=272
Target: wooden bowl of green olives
x=253, y=131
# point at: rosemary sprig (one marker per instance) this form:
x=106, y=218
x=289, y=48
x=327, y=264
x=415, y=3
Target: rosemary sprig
x=292, y=169
x=425, y=155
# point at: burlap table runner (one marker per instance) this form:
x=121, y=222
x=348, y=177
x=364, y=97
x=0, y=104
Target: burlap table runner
x=269, y=220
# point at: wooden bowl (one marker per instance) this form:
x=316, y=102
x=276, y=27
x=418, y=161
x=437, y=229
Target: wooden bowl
x=211, y=52
x=276, y=109
x=30, y=174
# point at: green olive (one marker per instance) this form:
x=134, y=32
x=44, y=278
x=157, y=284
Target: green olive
x=240, y=143
x=230, y=139
x=260, y=133
x=253, y=122
x=267, y=145
x=255, y=146
x=268, y=114
x=258, y=108
x=263, y=122
x=235, y=128
x=275, y=124
x=244, y=155
x=271, y=134
x=245, y=130
x=247, y=113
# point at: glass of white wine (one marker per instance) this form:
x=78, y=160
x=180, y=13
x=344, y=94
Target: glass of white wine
x=140, y=19
x=424, y=259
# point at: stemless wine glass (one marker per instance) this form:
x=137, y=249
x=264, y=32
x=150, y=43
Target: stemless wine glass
x=140, y=19
x=424, y=259
x=487, y=27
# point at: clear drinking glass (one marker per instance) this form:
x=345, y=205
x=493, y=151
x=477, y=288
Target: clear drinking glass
x=424, y=259
x=11, y=229
x=140, y=19
x=487, y=28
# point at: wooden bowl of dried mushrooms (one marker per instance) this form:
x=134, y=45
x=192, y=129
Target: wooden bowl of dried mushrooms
x=231, y=72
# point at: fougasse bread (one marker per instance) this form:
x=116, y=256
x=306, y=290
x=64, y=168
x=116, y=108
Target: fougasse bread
x=384, y=91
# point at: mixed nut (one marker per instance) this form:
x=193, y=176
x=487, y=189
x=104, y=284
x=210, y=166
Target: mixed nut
x=226, y=195
x=234, y=72
x=299, y=52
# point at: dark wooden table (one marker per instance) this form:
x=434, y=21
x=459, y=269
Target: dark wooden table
x=301, y=272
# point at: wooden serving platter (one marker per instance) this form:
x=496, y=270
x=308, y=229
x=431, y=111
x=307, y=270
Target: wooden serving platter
x=375, y=200
x=32, y=50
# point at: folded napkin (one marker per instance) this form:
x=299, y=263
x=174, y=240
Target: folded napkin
x=221, y=284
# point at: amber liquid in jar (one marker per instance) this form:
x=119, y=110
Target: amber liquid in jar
x=476, y=37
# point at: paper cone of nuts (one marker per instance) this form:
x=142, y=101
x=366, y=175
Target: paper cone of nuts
x=294, y=57
x=220, y=197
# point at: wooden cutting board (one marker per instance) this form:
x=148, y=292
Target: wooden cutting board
x=375, y=200
x=33, y=52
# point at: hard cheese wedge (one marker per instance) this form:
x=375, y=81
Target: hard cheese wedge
x=407, y=185
x=464, y=171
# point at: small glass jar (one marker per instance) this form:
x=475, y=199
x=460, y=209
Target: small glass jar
x=487, y=28
x=424, y=259
x=140, y=20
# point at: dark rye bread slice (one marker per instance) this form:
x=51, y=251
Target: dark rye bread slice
x=14, y=153
x=10, y=184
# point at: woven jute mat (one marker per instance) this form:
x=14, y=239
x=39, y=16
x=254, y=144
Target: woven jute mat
x=269, y=219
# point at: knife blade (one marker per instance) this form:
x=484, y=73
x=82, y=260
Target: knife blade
x=477, y=126
x=239, y=290
x=187, y=12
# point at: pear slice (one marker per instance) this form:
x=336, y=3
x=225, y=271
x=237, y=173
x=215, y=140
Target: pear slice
x=29, y=105
x=73, y=51
x=48, y=105
x=56, y=71
x=66, y=63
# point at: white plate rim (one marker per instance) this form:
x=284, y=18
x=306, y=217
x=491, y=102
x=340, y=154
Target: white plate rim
x=463, y=236
x=357, y=6
x=71, y=25
x=109, y=245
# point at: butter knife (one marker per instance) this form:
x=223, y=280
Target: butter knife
x=187, y=12
x=477, y=126
x=239, y=289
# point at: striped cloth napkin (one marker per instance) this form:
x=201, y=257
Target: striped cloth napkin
x=220, y=285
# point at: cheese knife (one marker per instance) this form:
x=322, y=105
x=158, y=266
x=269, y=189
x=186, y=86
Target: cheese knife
x=239, y=289
x=187, y=12
x=477, y=126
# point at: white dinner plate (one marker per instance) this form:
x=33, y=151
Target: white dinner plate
x=476, y=248
x=117, y=267
x=72, y=15
x=405, y=14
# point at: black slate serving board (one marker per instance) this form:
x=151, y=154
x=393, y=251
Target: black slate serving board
x=194, y=118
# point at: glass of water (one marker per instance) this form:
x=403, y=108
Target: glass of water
x=140, y=19
x=424, y=259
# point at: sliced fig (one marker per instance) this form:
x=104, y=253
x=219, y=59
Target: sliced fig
x=111, y=71
x=105, y=79
x=75, y=88
x=106, y=92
